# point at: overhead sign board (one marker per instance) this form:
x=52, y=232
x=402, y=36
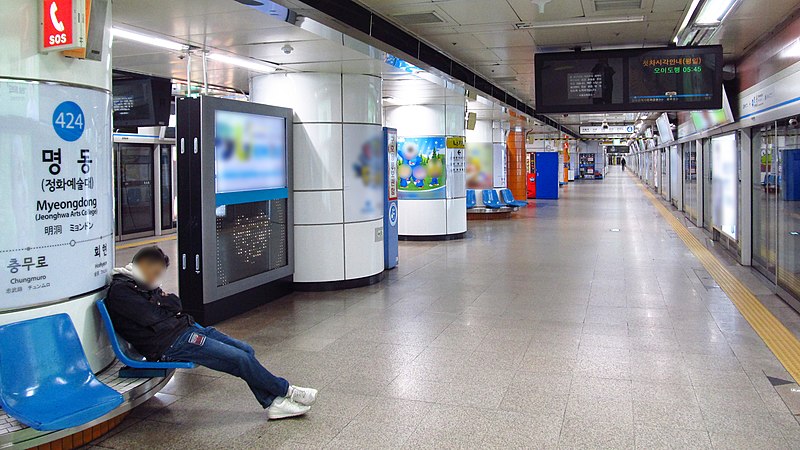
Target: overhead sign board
x=608, y=129
x=648, y=79
x=63, y=24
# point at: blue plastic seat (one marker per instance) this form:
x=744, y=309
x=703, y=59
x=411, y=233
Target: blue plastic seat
x=508, y=199
x=490, y=199
x=45, y=379
x=126, y=353
x=471, y=200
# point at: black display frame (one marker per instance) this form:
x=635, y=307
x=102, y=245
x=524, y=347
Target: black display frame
x=202, y=296
x=541, y=59
x=159, y=101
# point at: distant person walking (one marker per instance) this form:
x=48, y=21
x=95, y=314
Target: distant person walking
x=624, y=163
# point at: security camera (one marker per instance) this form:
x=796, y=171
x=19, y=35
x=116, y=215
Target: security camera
x=287, y=49
x=605, y=125
x=792, y=122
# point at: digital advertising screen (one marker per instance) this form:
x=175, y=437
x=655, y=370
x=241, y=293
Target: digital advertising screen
x=249, y=157
x=668, y=78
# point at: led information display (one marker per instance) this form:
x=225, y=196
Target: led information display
x=670, y=78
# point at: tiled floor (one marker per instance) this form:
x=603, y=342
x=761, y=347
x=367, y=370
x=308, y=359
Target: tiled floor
x=546, y=331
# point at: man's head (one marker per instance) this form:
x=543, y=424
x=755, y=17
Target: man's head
x=150, y=264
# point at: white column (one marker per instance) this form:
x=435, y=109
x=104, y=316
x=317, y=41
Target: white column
x=37, y=90
x=338, y=172
x=431, y=218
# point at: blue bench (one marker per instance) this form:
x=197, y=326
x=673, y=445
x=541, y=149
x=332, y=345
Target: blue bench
x=490, y=199
x=45, y=380
x=471, y=200
x=137, y=365
x=508, y=199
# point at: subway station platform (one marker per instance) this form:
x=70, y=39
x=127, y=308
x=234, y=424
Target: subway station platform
x=582, y=323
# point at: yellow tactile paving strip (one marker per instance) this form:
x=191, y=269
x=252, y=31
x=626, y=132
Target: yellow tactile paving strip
x=778, y=338
x=147, y=242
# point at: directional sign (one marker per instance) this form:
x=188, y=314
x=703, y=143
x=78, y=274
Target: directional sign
x=609, y=129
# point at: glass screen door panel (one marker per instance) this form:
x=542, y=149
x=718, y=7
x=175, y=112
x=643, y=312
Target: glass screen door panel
x=136, y=211
x=786, y=179
x=764, y=201
x=167, y=194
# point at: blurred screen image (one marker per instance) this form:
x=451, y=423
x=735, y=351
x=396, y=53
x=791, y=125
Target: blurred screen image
x=250, y=152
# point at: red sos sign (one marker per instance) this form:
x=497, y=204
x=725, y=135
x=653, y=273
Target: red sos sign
x=62, y=24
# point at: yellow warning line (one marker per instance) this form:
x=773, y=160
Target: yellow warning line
x=778, y=338
x=147, y=242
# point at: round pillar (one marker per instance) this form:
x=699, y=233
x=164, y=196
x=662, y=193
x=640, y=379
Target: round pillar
x=337, y=174
x=434, y=214
x=57, y=245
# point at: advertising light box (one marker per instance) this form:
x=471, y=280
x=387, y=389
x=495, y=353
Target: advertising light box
x=249, y=156
x=658, y=79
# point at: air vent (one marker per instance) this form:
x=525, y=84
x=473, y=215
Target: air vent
x=504, y=79
x=418, y=18
x=616, y=5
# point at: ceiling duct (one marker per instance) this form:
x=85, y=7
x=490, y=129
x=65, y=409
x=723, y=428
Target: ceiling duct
x=418, y=18
x=616, y=5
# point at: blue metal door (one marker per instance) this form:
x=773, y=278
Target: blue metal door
x=547, y=175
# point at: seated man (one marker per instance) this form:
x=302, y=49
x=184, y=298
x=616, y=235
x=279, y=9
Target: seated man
x=152, y=321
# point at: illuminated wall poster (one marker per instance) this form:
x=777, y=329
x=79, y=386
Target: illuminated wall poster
x=421, y=167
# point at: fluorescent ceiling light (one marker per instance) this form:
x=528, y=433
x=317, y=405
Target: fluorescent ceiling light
x=580, y=22
x=692, y=8
x=714, y=11
x=247, y=63
x=129, y=35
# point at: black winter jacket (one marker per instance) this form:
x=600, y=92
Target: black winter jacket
x=148, y=319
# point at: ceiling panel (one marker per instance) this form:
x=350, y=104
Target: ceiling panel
x=564, y=36
x=516, y=54
x=613, y=34
x=466, y=12
x=513, y=38
x=554, y=10
x=283, y=34
x=496, y=70
x=462, y=41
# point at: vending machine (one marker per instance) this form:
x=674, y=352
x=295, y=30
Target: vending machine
x=390, y=229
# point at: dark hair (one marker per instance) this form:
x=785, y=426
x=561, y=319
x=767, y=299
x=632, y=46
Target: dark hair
x=151, y=254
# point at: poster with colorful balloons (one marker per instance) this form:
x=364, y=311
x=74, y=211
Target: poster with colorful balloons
x=421, y=167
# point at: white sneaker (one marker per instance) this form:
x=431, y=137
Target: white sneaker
x=283, y=407
x=304, y=396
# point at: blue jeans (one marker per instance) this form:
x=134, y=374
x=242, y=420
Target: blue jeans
x=218, y=351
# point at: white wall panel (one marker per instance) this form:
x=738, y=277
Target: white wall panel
x=318, y=207
x=317, y=156
x=454, y=120
x=417, y=120
x=457, y=215
x=481, y=133
x=363, y=249
x=422, y=217
x=314, y=97
x=362, y=95
x=318, y=253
